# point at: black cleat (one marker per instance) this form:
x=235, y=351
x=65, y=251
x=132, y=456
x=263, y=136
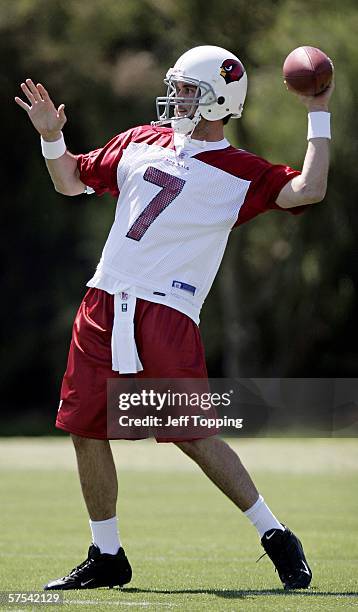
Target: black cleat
x=286, y=552
x=98, y=570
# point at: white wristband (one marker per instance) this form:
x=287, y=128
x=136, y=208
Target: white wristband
x=53, y=150
x=319, y=125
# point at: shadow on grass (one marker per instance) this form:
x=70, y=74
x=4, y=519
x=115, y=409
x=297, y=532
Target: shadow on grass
x=244, y=593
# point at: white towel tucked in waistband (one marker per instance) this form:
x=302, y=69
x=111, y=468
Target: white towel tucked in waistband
x=125, y=358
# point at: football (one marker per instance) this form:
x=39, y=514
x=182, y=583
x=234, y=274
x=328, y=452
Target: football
x=308, y=71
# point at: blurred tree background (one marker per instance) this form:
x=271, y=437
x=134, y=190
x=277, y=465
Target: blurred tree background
x=285, y=300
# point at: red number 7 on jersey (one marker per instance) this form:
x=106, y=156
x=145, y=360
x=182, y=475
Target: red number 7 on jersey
x=171, y=187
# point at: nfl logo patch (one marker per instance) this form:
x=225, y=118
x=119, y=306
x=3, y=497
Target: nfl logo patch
x=124, y=307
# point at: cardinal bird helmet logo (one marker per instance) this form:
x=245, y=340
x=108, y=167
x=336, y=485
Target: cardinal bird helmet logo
x=231, y=70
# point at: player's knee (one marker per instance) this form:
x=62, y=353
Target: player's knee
x=197, y=449
x=79, y=441
x=190, y=447
x=89, y=444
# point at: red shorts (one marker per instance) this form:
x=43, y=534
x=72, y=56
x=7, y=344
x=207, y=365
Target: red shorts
x=169, y=346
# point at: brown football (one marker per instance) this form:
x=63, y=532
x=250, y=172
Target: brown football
x=308, y=71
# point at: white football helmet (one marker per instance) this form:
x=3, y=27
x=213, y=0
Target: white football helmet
x=221, y=84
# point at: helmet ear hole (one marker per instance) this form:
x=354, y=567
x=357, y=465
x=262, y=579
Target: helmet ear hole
x=221, y=100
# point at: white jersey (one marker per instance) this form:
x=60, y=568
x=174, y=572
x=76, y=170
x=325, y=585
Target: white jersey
x=178, y=201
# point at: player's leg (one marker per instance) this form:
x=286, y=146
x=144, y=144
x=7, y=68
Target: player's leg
x=98, y=478
x=107, y=564
x=165, y=330
x=83, y=413
x=215, y=457
x=222, y=465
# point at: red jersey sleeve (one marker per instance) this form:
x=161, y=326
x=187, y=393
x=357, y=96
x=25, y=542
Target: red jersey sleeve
x=266, y=180
x=98, y=168
x=264, y=189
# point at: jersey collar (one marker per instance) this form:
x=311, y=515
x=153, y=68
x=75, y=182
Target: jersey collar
x=192, y=147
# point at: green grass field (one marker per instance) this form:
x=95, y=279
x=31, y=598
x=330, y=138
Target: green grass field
x=190, y=548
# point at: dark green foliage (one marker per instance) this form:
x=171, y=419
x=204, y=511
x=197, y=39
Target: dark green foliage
x=290, y=283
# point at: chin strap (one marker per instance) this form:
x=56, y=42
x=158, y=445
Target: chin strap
x=185, y=125
x=181, y=125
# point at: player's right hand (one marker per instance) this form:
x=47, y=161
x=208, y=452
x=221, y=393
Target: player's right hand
x=319, y=102
x=47, y=120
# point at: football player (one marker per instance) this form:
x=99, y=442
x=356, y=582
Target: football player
x=181, y=189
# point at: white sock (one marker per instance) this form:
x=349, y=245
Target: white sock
x=262, y=518
x=105, y=535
